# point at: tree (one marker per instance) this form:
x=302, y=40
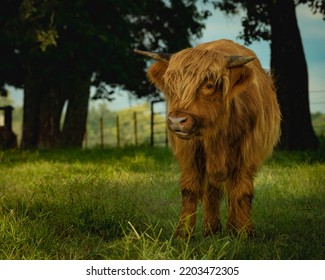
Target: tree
x=56, y=49
x=276, y=21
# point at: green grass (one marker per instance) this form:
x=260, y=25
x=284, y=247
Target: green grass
x=124, y=204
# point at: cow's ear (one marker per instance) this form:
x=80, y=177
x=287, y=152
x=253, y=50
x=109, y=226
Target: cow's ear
x=156, y=72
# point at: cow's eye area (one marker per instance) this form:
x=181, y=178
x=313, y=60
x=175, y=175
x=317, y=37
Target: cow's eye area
x=209, y=86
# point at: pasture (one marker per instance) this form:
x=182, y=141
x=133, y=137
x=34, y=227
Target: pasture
x=124, y=204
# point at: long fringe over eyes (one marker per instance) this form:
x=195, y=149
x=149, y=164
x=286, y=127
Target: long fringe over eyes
x=189, y=68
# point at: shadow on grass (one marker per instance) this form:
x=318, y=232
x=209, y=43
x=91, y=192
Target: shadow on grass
x=158, y=154
x=289, y=158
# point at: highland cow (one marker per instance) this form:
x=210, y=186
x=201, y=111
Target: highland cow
x=223, y=120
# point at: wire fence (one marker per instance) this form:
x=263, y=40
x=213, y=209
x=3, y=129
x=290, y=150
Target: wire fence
x=145, y=126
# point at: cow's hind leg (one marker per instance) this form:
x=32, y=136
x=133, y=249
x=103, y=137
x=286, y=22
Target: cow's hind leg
x=240, y=196
x=211, y=201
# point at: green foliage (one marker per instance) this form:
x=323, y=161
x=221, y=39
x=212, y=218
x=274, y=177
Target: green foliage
x=256, y=21
x=318, y=120
x=57, y=40
x=5, y=100
x=47, y=38
x=124, y=204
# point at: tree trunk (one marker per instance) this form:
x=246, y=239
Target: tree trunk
x=76, y=116
x=31, y=113
x=51, y=107
x=289, y=68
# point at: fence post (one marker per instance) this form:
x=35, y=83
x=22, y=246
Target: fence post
x=151, y=125
x=152, y=122
x=86, y=137
x=8, y=117
x=135, y=128
x=166, y=128
x=101, y=129
x=118, y=130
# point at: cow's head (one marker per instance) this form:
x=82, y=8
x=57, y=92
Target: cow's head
x=197, y=85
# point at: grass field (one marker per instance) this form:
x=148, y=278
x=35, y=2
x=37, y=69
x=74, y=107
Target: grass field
x=124, y=204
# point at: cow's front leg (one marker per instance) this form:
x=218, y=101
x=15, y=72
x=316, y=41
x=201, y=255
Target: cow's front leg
x=211, y=201
x=191, y=158
x=187, y=221
x=240, y=197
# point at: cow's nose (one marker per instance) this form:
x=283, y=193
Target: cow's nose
x=177, y=120
x=176, y=123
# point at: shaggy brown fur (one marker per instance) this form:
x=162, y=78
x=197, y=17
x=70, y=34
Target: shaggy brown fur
x=223, y=122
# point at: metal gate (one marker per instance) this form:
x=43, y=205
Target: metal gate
x=158, y=121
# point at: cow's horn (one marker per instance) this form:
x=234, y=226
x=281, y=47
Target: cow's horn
x=159, y=56
x=238, y=61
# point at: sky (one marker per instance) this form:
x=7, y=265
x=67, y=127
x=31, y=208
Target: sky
x=312, y=29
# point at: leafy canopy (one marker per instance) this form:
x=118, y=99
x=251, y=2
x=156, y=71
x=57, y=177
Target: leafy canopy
x=57, y=40
x=256, y=17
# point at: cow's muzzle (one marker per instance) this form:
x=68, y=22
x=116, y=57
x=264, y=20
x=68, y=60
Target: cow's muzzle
x=182, y=124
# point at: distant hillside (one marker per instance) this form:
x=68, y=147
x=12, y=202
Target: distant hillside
x=318, y=120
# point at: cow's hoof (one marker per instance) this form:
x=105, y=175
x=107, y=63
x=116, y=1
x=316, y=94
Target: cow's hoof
x=183, y=232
